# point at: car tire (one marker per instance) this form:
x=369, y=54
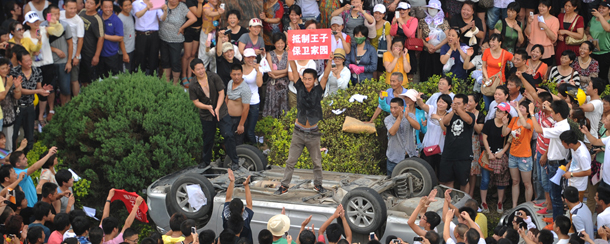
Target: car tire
x=365, y=210
x=253, y=158
x=177, y=201
x=422, y=170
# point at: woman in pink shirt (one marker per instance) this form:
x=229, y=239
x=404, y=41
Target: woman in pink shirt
x=542, y=29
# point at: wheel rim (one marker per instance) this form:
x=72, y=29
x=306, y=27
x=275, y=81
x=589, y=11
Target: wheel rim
x=182, y=199
x=247, y=162
x=418, y=183
x=360, y=212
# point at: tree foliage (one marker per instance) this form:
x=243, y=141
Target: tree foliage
x=126, y=132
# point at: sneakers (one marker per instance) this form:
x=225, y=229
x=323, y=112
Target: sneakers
x=281, y=190
x=548, y=220
x=485, y=208
x=235, y=167
x=540, y=205
x=543, y=211
x=320, y=189
x=50, y=115
x=500, y=208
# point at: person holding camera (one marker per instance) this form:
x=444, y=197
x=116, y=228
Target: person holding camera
x=338, y=39
x=582, y=220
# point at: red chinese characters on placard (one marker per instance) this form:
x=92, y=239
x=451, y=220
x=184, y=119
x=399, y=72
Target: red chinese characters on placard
x=309, y=44
x=129, y=199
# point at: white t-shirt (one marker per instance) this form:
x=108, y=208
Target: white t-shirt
x=606, y=165
x=581, y=161
x=563, y=241
x=556, y=150
x=596, y=115
x=604, y=218
x=434, y=98
x=310, y=65
x=250, y=80
x=77, y=27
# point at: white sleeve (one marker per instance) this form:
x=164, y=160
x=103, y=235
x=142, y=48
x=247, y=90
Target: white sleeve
x=343, y=80
x=451, y=230
x=80, y=29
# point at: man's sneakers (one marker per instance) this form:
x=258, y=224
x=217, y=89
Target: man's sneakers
x=500, y=208
x=485, y=208
x=319, y=189
x=540, y=205
x=281, y=190
x=235, y=167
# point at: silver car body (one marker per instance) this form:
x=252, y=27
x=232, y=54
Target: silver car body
x=266, y=205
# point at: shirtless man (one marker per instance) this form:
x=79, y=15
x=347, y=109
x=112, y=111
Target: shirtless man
x=238, y=102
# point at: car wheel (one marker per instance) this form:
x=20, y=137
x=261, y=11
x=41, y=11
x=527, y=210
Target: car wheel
x=423, y=182
x=365, y=210
x=178, y=196
x=250, y=158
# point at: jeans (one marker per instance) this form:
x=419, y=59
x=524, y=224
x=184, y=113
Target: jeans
x=493, y=15
x=239, y=138
x=541, y=182
x=63, y=80
x=555, y=192
x=25, y=118
x=147, y=52
x=209, y=134
x=390, y=167
x=251, y=123
x=485, y=177
x=300, y=140
x=488, y=100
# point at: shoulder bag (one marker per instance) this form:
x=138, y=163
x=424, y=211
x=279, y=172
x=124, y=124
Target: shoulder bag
x=414, y=44
x=489, y=88
x=571, y=40
x=382, y=47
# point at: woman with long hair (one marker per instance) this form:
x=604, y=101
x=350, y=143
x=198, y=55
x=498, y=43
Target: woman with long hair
x=435, y=135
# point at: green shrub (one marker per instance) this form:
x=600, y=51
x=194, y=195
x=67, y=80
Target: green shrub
x=126, y=132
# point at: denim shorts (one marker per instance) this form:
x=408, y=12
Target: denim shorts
x=525, y=164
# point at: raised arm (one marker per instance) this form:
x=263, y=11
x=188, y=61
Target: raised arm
x=324, y=78
x=447, y=220
x=536, y=126
x=36, y=166
x=418, y=230
x=248, y=193
x=132, y=215
x=229, y=195
x=106, y=211
x=330, y=220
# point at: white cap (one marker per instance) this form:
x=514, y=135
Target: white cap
x=337, y=20
x=249, y=52
x=31, y=17
x=255, y=22
x=411, y=93
x=379, y=8
x=403, y=5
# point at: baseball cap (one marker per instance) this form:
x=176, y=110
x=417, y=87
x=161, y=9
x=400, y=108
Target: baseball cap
x=503, y=107
x=339, y=53
x=411, y=94
x=403, y=5
x=226, y=47
x=434, y=4
x=255, y=22
x=605, y=3
x=31, y=17
x=278, y=224
x=379, y=8
x=336, y=20
x=248, y=52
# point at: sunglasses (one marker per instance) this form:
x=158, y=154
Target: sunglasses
x=19, y=29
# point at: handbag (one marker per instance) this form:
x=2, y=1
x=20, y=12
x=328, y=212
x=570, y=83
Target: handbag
x=264, y=65
x=382, y=47
x=484, y=161
x=486, y=3
x=432, y=150
x=489, y=87
x=571, y=40
x=415, y=44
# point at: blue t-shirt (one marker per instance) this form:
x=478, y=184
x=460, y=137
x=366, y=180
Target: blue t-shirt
x=246, y=215
x=47, y=231
x=27, y=185
x=112, y=26
x=458, y=67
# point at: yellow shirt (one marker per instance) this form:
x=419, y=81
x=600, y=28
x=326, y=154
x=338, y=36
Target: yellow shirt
x=481, y=220
x=399, y=67
x=28, y=44
x=171, y=240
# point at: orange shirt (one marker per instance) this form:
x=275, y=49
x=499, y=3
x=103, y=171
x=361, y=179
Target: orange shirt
x=522, y=137
x=542, y=69
x=399, y=67
x=495, y=65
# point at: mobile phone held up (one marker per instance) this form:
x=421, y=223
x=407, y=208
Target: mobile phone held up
x=372, y=235
x=193, y=229
x=418, y=238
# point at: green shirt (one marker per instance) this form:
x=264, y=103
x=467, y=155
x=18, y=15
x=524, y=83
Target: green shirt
x=511, y=37
x=598, y=32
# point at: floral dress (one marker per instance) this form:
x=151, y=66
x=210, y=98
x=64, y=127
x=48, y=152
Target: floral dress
x=475, y=168
x=593, y=68
x=276, y=102
x=326, y=9
x=272, y=10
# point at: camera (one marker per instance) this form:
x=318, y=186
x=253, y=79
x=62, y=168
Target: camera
x=418, y=238
x=425, y=97
x=396, y=241
x=227, y=31
x=580, y=234
x=334, y=32
x=517, y=213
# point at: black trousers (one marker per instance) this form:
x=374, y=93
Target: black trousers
x=24, y=117
x=109, y=66
x=147, y=51
x=604, y=65
x=209, y=133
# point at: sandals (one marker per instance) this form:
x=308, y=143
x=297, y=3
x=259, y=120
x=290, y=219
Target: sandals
x=185, y=82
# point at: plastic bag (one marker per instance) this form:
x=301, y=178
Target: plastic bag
x=264, y=65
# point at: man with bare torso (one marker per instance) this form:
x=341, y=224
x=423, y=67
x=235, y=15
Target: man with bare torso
x=238, y=102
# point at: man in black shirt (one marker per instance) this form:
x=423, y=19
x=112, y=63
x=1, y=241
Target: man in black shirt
x=225, y=58
x=208, y=95
x=306, y=132
x=457, y=156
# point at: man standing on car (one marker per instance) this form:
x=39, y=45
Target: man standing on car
x=306, y=132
